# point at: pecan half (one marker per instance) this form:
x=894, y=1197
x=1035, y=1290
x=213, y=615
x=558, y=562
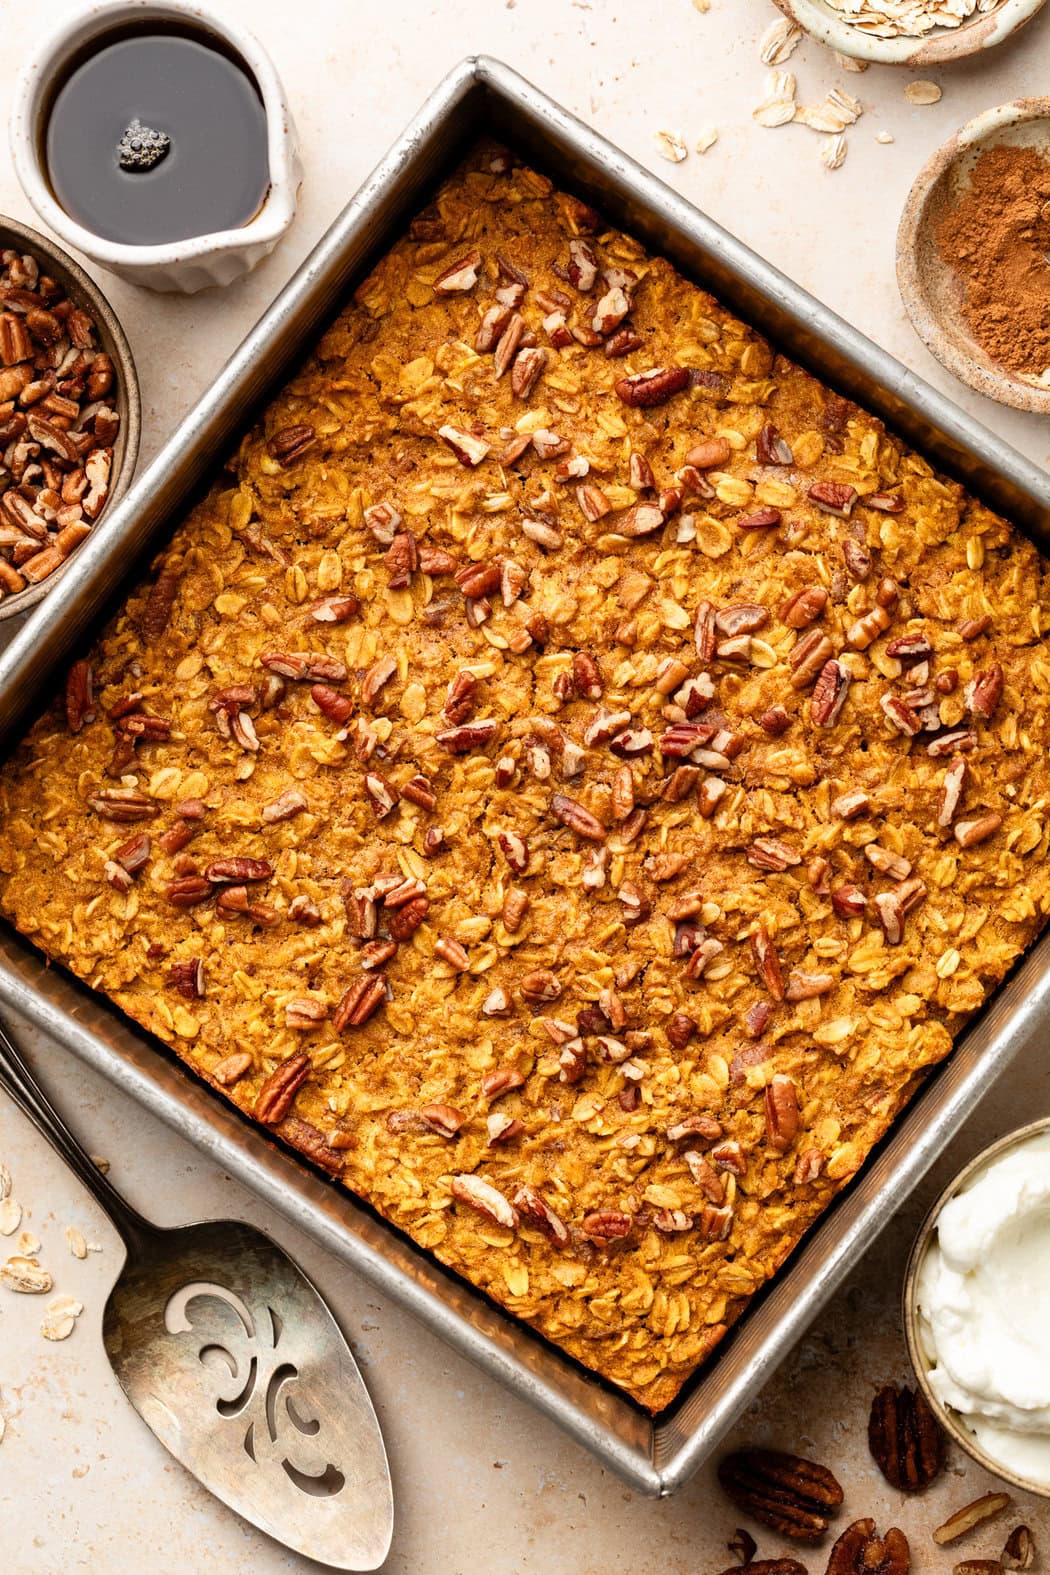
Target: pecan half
x=275, y=1097
x=829, y=694
x=834, y=497
x=486, y=1199
x=646, y=389
x=290, y=443
x=793, y=1496
x=535, y=1210
x=577, y=818
x=238, y=870
x=607, y=1224
x=905, y=1438
x=473, y=735
x=782, y=1112
x=859, y=1551
x=358, y=1001
x=159, y=603
x=78, y=696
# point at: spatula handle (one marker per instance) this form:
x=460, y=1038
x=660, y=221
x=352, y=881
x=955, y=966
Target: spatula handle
x=18, y=1081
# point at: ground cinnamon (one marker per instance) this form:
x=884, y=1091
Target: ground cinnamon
x=997, y=238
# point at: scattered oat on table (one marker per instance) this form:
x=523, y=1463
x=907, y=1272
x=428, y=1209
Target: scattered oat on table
x=5, y=1182
x=707, y=139
x=833, y=152
x=703, y=6
x=75, y=1242
x=61, y=1318
x=849, y=62
x=3, y=1426
x=779, y=42
x=100, y=1164
x=10, y=1216
x=884, y=136
x=778, y=107
x=908, y=18
x=837, y=111
x=671, y=146
x=921, y=92
x=26, y=1276
x=28, y=1245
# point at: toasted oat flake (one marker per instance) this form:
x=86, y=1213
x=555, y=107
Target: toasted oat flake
x=75, y=1242
x=28, y=1245
x=703, y=6
x=833, y=152
x=707, y=139
x=25, y=1275
x=779, y=42
x=3, y=1426
x=671, y=146
x=5, y=1182
x=850, y=62
x=10, y=1216
x=885, y=137
x=778, y=107
x=61, y=1318
x=922, y=92
x=838, y=110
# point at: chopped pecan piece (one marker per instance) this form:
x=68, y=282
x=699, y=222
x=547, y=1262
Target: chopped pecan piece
x=859, y=1551
x=515, y=907
x=401, y=560
x=232, y=1068
x=782, y=1112
x=808, y=657
x=760, y=519
x=868, y=628
x=452, y=952
x=460, y=276
x=770, y=853
x=890, y=909
x=382, y=794
x=829, y=694
x=486, y=1199
x=834, y=497
x=886, y=862
x=403, y=922
x=188, y=978
x=535, y=1210
x=803, y=986
x=445, y=1120
x=290, y=443
x=793, y=1496
x=711, y=454
x=1019, y=1550
x=587, y=676
x=286, y=805
x=765, y=955
x=984, y=691
x=473, y=735
x=468, y=447
x=336, y=707
x=159, y=603
x=900, y=713
x=607, y=1224
x=577, y=818
x=771, y=448
x=358, y=1002
x=646, y=389
x=275, y=1097
x=971, y=1515
x=905, y=1438
x=188, y=891
x=79, y=707
x=968, y=833
x=705, y=1128
x=952, y=786
x=850, y=804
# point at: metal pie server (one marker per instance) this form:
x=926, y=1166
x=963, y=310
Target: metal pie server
x=230, y=1355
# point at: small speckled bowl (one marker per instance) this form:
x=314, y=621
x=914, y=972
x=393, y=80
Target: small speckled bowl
x=921, y=1358
x=930, y=288
x=111, y=338
x=938, y=47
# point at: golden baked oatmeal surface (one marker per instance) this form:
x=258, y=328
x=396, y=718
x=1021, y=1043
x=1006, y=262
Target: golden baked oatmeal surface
x=569, y=778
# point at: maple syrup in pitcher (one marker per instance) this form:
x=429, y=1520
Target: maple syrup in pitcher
x=157, y=134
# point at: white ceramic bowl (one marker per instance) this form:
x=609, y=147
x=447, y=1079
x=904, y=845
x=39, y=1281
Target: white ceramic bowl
x=187, y=265
x=936, y=48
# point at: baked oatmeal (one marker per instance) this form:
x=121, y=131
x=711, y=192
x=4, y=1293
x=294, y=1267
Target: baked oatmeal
x=570, y=778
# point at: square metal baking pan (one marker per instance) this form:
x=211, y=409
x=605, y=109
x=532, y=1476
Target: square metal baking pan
x=481, y=96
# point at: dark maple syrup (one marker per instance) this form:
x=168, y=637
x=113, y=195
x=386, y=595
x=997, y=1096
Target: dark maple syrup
x=205, y=169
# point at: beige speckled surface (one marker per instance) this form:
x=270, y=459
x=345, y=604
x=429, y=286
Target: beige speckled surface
x=481, y=1483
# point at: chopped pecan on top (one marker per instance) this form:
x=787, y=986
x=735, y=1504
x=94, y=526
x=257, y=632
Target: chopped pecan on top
x=793, y=1496
x=782, y=1112
x=905, y=1438
x=860, y=1551
x=486, y=1199
x=79, y=705
x=577, y=817
x=359, y=1001
x=289, y=444
x=276, y=1096
x=765, y=955
x=643, y=390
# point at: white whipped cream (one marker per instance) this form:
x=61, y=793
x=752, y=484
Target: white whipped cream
x=984, y=1301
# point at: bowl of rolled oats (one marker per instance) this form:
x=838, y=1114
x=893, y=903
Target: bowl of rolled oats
x=69, y=413
x=910, y=32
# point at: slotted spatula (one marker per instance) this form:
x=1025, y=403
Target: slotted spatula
x=230, y=1355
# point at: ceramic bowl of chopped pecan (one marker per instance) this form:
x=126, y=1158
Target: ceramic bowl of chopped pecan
x=69, y=413
x=913, y=33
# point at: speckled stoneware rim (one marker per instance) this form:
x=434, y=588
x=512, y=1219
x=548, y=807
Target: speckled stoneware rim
x=939, y=47
x=921, y=269
x=917, y=1354
x=113, y=341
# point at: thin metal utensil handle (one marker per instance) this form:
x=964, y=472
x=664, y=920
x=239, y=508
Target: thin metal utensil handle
x=20, y=1083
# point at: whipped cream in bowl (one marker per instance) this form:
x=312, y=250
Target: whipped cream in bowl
x=976, y=1306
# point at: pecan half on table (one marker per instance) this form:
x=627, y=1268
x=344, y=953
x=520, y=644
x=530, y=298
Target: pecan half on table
x=795, y=1497
x=905, y=1438
x=859, y=1551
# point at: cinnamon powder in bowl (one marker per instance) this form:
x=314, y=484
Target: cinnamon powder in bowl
x=972, y=254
